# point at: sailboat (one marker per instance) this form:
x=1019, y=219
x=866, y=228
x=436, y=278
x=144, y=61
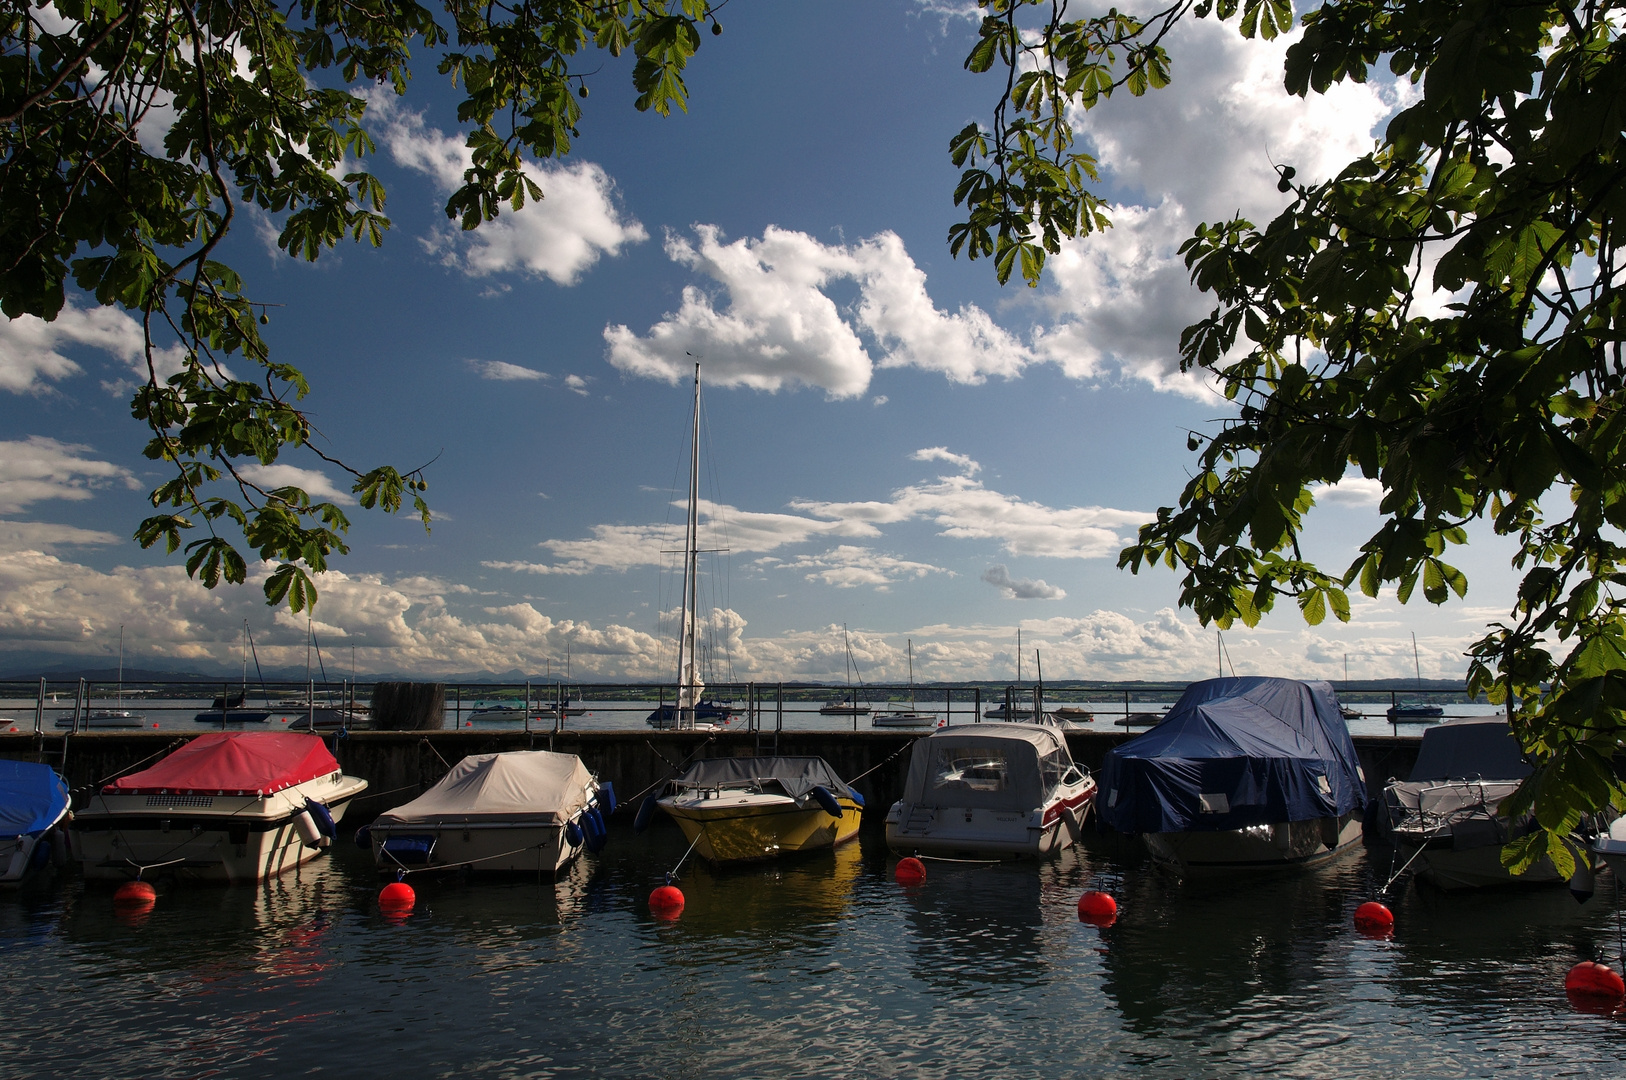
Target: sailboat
x=847, y=706
x=1010, y=710
x=234, y=708
x=689, y=712
x=910, y=717
x=116, y=717
x=1415, y=712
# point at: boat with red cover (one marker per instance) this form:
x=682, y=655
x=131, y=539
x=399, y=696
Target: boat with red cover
x=227, y=806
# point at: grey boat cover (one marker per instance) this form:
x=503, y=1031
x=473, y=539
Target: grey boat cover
x=1474, y=747
x=521, y=785
x=1233, y=753
x=795, y=775
x=987, y=767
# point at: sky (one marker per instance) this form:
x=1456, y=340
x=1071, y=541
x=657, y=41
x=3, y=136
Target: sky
x=893, y=443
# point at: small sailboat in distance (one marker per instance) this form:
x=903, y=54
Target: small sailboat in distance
x=1415, y=712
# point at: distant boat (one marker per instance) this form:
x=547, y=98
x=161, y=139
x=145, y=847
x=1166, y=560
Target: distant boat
x=1015, y=712
x=1414, y=713
x=1072, y=714
x=117, y=717
x=905, y=718
x=234, y=708
x=847, y=706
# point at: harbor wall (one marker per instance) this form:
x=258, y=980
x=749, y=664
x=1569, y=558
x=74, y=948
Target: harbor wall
x=399, y=765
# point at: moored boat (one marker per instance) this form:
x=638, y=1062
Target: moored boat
x=748, y=808
x=1414, y=713
x=902, y=718
x=983, y=792
x=227, y=806
x=33, y=803
x=844, y=707
x=523, y=810
x=1072, y=714
x=1243, y=773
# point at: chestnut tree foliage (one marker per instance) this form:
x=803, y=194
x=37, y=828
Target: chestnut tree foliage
x=136, y=130
x=1498, y=184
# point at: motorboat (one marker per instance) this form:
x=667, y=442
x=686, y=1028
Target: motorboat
x=703, y=716
x=497, y=712
x=1072, y=714
x=1611, y=847
x=844, y=707
x=743, y=809
x=233, y=709
x=981, y=792
x=33, y=804
x=522, y=810
x=227, y=806
x=1444, y=819
x=1414, y=713
x=1242, y=773
x=101, y=719
x=1013, y=713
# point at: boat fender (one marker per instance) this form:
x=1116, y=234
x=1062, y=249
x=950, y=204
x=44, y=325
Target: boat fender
x=646, y=814
x=364, y=837
x=323, y=816
x=594, y=830
x=852, y=793
x=573, y=834
x=305, y=825
x=40, y=855
x=827, y=802
x=606, y=798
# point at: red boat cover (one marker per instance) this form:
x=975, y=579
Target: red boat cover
x=233, y=763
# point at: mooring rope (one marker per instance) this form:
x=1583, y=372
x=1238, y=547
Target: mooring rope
x=675, y=768
x=404, y=869
x=878, y=764
x=672, y=874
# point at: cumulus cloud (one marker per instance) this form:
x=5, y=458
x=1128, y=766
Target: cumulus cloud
x=1021, y=588
x=45, y=536
x=780, y=327
x=38, y=468
x=576, y=384
x=577, y=222
x=1350, y=491
x=501, y=371
x=849, y=566
x=315, y=482
x=31, y=349
x=942, y=453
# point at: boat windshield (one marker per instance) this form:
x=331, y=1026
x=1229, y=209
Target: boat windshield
x=966, y=769
x=1054, y=768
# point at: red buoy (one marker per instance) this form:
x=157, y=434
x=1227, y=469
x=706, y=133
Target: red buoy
x=1097, y=908
x=135, y=894
x=1596, y=984
x=666, y=902
x=1374, y=920
x=397, y=898
x=910, y=871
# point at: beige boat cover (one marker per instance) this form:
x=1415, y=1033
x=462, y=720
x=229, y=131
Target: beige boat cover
x=522, y=785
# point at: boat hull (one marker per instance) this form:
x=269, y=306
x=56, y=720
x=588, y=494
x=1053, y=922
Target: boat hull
x=978, y=833
x=203, y=837
x=737, y=826
x=903, y=720
x=495, y=847
x=1261, y=847
x=1453, y=869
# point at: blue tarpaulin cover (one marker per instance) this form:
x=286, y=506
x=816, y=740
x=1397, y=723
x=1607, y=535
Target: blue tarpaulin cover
x=1234, y=753
x=32, y=797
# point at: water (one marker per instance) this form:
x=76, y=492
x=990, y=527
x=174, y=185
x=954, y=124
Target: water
x=821, y=966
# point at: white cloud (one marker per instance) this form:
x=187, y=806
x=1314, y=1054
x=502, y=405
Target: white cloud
x=1021, y=588
x=849, y=566
x=501, y=371
x=315, y=483
x=781, y=327
x=942, y=453
x=577, y=384
x=39, y=468
x=31, y=349
x=45, y=536
x=1350, y=491
x=559, y=238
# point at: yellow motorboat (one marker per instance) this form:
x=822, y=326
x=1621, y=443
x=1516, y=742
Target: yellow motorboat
x=748, y=808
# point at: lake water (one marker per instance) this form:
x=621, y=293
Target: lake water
x=821, y=966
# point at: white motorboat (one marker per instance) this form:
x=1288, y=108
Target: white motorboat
x=227, y=806
x=1444, y=819
x=1243, y=773
x=33, y=803
x=991, y=792
x=523, y=810
x=101, y=719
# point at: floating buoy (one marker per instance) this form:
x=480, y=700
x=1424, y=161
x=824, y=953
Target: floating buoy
x=1097, y=908
x=666, y=902
x=469, y=723
x=1595, y=984
x=135, y=894
x=1373, y=919
x=910, y=871
x=397, y=898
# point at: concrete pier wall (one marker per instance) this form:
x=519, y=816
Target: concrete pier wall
x=399, y=765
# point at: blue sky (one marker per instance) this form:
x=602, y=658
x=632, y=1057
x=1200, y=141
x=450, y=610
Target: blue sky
x=893, y=441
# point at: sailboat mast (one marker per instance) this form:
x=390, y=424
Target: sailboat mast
x=121, y=665
x=691, y=559
x=1416, y=661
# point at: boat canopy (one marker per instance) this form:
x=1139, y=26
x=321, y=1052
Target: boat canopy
x=233, y=763
x=796, y=775
x=1473, y=747
x=32, y=797
x=520, y=785
x=987, y=767
x=1233, y=753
